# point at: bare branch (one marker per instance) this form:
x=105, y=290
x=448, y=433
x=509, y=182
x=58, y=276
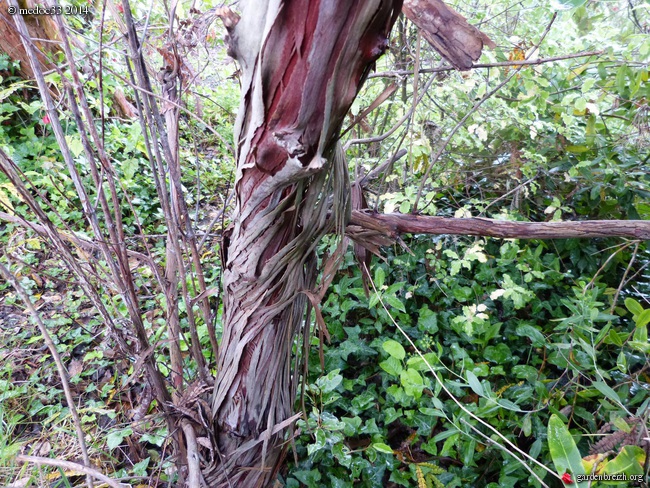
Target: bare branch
x=69, y=465
x=503, y=64
x=394, y=224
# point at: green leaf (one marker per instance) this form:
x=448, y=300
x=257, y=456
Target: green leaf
x=75, y=145
x=427, y=320
x=602, y=387
x=531, y=333
x=497, y=354
x=380, y=277
x=432, y=412
x=564, y=452
x=392, y=366
x=394, y=349
x=395, y=302
x=642, y=319
x=330, y=382
x=115, y=438
x=309, y=478
x=412, y=382
x=381, y=447
x=580, y=104
x=633, y=306
x=475, y=384
x=621, y=362
x=629, y=461
x=140, y=469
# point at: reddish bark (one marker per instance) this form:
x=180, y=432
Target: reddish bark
x=391, y=225
x=41, y=28
x=302, y=66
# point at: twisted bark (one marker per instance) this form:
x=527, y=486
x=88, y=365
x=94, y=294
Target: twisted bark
x=303, y=63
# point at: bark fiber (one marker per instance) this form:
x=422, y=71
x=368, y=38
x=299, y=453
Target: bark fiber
x=303, y=63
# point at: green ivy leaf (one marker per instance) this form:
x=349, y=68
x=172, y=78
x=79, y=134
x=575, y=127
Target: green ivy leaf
x=394, y=349
x=115, y=438
x=427, y=320
x=381, y=447
x=330, y=382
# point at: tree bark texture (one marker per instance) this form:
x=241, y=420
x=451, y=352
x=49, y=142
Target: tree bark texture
x=378, y=229
x=447, y=31
x=42, y=29
x=302, y=63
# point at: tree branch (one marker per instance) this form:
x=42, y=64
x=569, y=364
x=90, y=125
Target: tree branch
x=502, y=64
x=392, y=225
x=69, y=465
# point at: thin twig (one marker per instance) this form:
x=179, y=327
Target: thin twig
x=505, y=195
x=627, y=270
x=81, y=241
x=526, y=62
x=70, y=466
x=397, y=125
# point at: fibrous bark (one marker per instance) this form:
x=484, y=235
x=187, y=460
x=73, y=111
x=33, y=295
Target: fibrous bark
x=381, y=228
x=42, y=29
x=303, y=63
x=447, y=31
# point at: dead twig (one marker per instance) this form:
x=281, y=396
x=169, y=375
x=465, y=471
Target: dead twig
x=502, y=64
x=70, y=466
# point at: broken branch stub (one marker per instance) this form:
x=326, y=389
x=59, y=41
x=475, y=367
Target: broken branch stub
x=447, y=31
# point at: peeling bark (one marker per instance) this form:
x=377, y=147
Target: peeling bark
x=447, y=31
x=42, y=29
x=303, y=63
x=381, y=228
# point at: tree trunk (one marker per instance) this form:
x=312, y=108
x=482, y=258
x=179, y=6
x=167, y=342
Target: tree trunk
x=303, y=63
x=42, y=29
